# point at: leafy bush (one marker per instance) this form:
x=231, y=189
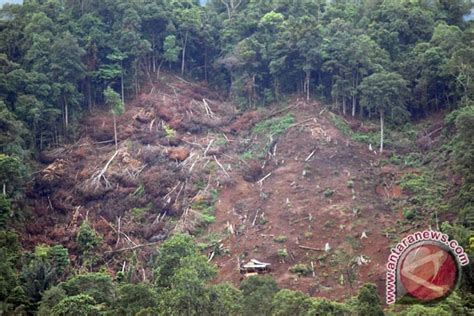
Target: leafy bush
x=301, y=269
x=275, y=126
x=169, y=131
x=368, y=138
x=5, y=210
x=409, y=213
x=139, y=212
x=280, y=238
x=426, y=191
x=282, y=253
x=328, y=192
x=410, y=160
x=206, y=207
x=87, y=237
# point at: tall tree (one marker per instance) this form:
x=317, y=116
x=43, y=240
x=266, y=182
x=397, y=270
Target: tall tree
x=67, y=70
x=112, y=98
x=188, y=21
x=384, y=92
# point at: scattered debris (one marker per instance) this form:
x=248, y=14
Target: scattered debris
x=362, y=261
x=327, y=247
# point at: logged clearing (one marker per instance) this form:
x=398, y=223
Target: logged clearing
x=281, y=185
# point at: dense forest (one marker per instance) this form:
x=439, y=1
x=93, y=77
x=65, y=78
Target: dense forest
x=391, y=62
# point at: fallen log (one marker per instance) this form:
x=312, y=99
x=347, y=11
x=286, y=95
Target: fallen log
x=96, y=179
x=302, y=122
x=221, y=166
x=309, y=217
x=310, y=155
x=310, y=248
x=261, y=180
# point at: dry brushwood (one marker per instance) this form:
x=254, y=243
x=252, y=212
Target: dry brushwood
x=54, y=170
x=208, y=109
x=96, y=178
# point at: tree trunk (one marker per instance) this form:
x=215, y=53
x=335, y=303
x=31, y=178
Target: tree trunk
x=66, y=114
x=41, y=140
x=205, y=64
x=231, y=85
x=89, y=94
x=276, y=89
x=184, y=52
x=354, y=97
x=353, y=104
x=159, y=69
x=137, y=83
x=344, y=106
x=308, y=77
x=121, y=84
x=228, y=9
x=115, y=132
x=381, y=130
x=153, y=57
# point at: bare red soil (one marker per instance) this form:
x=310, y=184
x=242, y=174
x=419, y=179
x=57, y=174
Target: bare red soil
x=295, y=191
x=179, y=140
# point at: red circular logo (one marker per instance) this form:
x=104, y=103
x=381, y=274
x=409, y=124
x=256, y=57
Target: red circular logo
x=428, y=272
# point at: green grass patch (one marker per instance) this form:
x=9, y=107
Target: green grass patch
x=220, y=140
x=275, y=126
x=411, y=160
x=247, y=155
x=200, y=184
x=206, y=207
x=426, y=191
x=139, y=191
x=368, y=138
x=212, y=240
x=139, y=212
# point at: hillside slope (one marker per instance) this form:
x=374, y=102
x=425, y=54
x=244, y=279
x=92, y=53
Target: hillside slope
x=279, y=185
x=320, y=189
